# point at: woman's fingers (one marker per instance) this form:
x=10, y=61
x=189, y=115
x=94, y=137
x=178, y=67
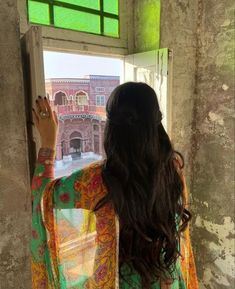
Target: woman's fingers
x=40, y=104
x=48, y=106
x=55, y=117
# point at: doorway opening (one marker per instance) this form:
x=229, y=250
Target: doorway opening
x=78, y=87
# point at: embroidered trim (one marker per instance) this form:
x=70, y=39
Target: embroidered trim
x=46, y=152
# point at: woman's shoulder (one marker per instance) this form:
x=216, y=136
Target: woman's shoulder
x=92, y=169
x=84, y=175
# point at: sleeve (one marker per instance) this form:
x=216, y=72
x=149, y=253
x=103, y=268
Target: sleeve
x=44, y=171
x=64, y=194
x=43, y=175
x=82, y=189
x=187, y=257
x=47, y=193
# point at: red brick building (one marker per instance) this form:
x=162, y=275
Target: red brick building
x=80, y=105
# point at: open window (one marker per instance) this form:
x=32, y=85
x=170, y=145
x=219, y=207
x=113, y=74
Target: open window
x=152, y=67
x=80, y=108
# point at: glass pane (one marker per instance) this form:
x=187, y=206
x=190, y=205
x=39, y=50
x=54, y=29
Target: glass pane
x=94, y=4
x=76, y=20
x=111, y=6
x=111, y=27
x=39, y=13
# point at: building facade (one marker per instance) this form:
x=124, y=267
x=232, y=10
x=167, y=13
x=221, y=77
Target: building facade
x=80, y=105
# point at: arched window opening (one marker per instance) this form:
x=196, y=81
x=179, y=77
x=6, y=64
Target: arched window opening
x=75, y=143
x=60, y=98
x=81, y=98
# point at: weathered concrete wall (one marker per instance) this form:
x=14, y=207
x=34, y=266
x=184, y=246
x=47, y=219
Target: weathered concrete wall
x=14, y=181
x=178, y=32
x=213, y=146
x=201, y=34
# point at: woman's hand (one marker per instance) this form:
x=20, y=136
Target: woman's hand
x=46, y=122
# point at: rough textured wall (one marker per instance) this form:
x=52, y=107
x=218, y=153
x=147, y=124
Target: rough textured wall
x=14, y=187
x=201, y=34
x=213, y=146
x=178, y=32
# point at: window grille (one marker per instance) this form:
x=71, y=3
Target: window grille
x=100, y=89
x=100, y=100
x=91, y=16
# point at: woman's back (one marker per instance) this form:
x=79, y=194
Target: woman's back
x=132, y=206
x=95, y=265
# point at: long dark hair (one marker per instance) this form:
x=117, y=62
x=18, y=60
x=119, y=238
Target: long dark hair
x=143, y=182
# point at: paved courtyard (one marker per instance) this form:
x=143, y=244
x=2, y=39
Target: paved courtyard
x=71, y=166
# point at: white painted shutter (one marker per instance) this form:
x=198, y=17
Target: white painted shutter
x=33, y=68
x=155, y=69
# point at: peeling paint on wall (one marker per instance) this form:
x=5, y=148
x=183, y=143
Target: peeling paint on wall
x=221, y=246
x=213, y=167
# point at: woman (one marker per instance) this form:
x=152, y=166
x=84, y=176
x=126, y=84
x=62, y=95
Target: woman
x=135, y=199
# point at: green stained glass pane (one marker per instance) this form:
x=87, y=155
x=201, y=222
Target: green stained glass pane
x=111, y=6
x=76, y=20
x=111, y=27
x=39, y=12
x=94, y=4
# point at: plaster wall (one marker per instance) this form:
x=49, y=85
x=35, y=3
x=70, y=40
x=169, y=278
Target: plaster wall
x=15, y=207
x=201, y=35
x=212, y=147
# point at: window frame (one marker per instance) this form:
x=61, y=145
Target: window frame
x=55, y=39
x=101, y=13
x=100, y=97
x=100, y=89
x=84, y=95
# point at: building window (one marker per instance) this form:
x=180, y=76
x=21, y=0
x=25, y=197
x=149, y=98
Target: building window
x=100, y=100
x=100, y=89
x=60, y=98
x=81, y=15
x=81, y=98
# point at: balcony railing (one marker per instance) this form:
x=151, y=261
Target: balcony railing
x=78, y=109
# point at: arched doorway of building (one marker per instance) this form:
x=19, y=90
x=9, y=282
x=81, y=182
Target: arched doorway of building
x=75, y=144
x=60, y=98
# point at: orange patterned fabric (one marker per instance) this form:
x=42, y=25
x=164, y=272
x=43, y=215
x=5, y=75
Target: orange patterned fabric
x=188, y=263
x=85, y=256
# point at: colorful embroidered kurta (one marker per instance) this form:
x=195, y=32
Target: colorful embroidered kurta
x=72, y=247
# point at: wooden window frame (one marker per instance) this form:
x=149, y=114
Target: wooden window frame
x=62, y=40
x=78, y=8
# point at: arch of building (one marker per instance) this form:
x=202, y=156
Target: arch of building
x=75, y=135
x=75, y=143
x=60, y=98
x=80, y=136
x=81, y=98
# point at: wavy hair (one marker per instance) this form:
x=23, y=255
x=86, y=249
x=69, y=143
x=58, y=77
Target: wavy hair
x=142, y=176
